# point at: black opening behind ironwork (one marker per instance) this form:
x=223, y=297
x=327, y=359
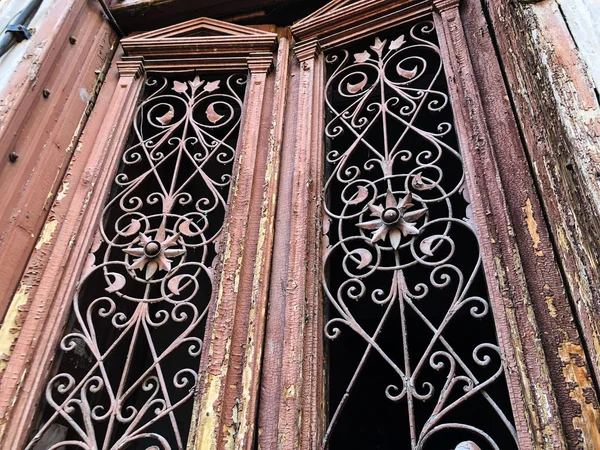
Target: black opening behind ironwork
x=129, y=359
x=413, y=354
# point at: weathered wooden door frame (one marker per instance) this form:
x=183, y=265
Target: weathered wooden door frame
x=540, y=346
x=521, y=273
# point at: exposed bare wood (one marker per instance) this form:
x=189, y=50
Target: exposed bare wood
x=227, y=338
x=44, y=132
x=252, y=374
x=501, y=260
x=549, y=301
x=270, y=392
x=580, y=17
x=25, y=375
x=558, y=112
x=291, y=420
x=232, y=307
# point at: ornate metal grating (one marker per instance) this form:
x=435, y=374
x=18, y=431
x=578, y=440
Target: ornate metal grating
x=414, y=359
x=130, y=356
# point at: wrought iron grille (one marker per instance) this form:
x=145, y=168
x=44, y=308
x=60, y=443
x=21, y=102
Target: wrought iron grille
x=130, y=357
x=413, y=355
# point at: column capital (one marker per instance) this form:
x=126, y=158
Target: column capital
x=260, y=62
x=444, y=5
x=131, y=66
x=307, y=50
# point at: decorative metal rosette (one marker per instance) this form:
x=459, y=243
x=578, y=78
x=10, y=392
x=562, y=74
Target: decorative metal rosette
x=412, y=335
x=130, y=358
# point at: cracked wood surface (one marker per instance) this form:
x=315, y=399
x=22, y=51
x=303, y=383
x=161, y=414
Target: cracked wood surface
x=24, y=378
x=559, y=118
x=44, y=132
x=548, y=297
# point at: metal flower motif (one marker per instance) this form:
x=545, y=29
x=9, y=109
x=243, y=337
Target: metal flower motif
x=154, y=254
x=393, y=220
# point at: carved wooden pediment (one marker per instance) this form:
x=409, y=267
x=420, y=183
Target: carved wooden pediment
x=209, y=43
x=343, y=21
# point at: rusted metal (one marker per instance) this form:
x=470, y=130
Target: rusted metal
x=158, y=259
x=396, y=220
x=555, y=403
x=93, y=187
x=43, y=302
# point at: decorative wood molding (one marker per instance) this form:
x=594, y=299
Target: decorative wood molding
x=260, y=62
x=292, y=418
x=228, y=320
x=558, y=113
x=200, y=44
x=131, y=66
x=43, y=132
x=442, y=5
x=307, y=50
x=343, y=21
x=236, y=314
x=206, y=28
x=252, y=374
x=527, y=371
x=24, y=381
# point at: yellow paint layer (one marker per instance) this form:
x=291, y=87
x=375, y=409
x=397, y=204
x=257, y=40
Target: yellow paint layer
x=551, y=307
x=10, y=329
x=578, y=379
x=62, y=193
x=46, y=234
x=532, y=227
x=208, y=420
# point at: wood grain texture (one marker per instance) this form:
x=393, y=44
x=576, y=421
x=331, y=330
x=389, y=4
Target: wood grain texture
x=90, y=178
x=559, y=117
x=44, y=132
x=289, y=417
x=526, y=370
x=270, y=390
x=549, y=300
x=271, y=144
x=235, y=315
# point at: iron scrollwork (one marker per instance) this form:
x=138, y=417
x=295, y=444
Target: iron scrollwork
x=130, y=356
x=401, y=254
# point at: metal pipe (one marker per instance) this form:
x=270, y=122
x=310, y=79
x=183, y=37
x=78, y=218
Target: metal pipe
x=111, y=19
x=23, y=18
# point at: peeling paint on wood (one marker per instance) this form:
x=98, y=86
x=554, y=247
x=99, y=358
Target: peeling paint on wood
x=532, y=226
x=11, y=326
x=46, y=234
x=557, y=108
x=581, y=390
x=44, y=134
x=53, y=270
